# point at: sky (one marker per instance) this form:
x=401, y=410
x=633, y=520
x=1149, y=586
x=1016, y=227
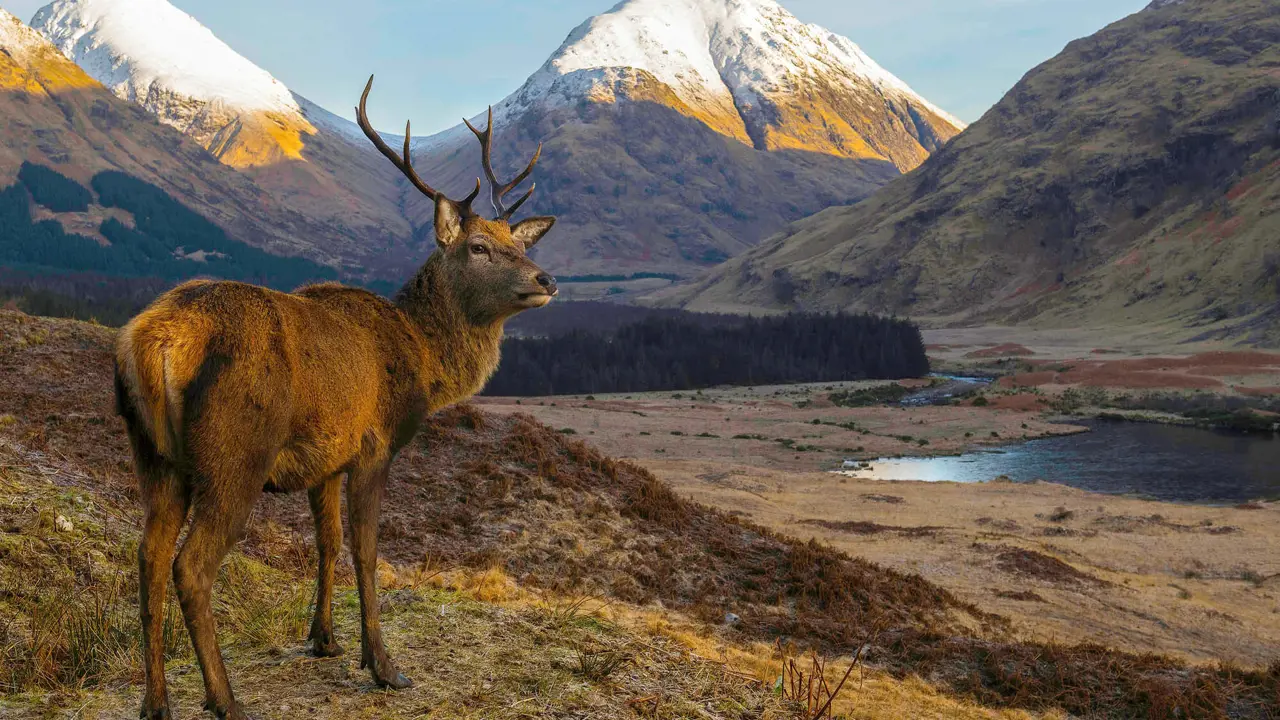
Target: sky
x=438, y=60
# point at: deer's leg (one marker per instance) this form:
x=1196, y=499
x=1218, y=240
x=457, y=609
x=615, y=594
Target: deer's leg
x=326, y=507
x=364, y=503
x=165, y=497
x=217, y=523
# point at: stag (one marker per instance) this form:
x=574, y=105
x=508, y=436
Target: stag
x=229, y=390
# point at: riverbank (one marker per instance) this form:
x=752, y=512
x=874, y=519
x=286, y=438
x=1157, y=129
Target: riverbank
x=1067, y=565
x=787, y=427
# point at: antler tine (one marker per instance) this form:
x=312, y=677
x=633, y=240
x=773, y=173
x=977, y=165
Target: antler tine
x=486, y=159
x=512, y=210
x=466, y=202
x=498, y=190
x=403, y=164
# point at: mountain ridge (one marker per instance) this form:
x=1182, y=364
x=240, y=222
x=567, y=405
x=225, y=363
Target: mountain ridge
x=55, y=115
x=671, y=144
x=162, y=59
x=1130, y=180
x=679, y=133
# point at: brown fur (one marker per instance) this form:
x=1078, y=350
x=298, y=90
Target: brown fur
x=228, y=389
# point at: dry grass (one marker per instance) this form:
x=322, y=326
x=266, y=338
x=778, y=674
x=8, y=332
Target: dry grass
x=479, y=645
x=516, y=506
x=807, y=685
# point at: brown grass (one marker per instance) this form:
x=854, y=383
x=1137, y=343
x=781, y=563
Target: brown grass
x=863, y=527
x=1029, y=563
x=517, y=500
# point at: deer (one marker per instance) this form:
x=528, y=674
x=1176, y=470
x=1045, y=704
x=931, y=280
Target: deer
x=229, y=390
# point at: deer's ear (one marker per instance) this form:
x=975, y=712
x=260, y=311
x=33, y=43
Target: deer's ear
x=448, y=222
x=530, y=230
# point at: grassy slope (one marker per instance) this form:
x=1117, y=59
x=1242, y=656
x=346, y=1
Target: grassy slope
x=500, y=497
x=1128, y=180
x=639, y=186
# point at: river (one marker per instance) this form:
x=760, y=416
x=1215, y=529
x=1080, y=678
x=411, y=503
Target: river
x=1164, y=462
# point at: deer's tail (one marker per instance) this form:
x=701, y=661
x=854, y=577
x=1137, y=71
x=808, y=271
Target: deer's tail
x=146, y=396
x=158, y=355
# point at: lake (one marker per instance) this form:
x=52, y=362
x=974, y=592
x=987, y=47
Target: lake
x=1165, y=462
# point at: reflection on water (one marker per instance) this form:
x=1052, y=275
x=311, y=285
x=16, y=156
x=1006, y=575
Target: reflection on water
x=1161, y=461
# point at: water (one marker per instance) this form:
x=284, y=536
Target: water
x=1160, y=461
x=951, y=386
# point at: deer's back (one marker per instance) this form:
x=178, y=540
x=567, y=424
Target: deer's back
x=303, y=384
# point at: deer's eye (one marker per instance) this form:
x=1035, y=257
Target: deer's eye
x=479, y=249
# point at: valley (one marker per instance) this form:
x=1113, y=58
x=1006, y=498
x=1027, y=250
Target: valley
x=1064, y=564
x=1059, y=498
x=608, y=580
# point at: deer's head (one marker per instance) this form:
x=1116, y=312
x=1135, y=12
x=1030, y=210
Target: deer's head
x=485, y=260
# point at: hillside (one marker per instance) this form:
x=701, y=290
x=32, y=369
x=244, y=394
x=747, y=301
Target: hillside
x=681, y=132
x=520, y=523
x=1130, y=180
x=53, y=115
x=307, y=160
x=678, y=133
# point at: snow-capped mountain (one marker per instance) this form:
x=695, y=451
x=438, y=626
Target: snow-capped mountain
x=53, y=114
x=681, y=132
x=678, y=132
x=151, y=53
x=748, y=69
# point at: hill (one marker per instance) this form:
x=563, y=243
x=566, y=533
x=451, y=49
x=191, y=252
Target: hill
x=485, y=515
x=307, y=160
x=1130, y=180
x=55, y=116
x=681, y=132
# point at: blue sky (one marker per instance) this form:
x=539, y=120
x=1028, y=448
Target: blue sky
x=437, y=60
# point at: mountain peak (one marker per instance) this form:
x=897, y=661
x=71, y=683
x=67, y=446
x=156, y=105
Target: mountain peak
x=748, y=69
x=138, y=48
x=15, y=37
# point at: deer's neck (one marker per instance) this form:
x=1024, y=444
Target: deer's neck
x=459, y=353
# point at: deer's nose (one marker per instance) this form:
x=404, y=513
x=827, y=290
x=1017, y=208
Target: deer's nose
x=547, y=282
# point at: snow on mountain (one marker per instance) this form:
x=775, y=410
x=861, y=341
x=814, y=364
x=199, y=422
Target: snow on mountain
x=153, y=54
x=143, y=48
x=748, y=69
x=311, y=161
x=18, y=40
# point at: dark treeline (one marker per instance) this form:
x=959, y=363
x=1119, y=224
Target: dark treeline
x=54, y=190
x=596, y=278
x=165, y=243
x=686, y=352
x=82, y=296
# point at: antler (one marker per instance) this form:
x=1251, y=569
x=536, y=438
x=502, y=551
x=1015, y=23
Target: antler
x=499, y=190
x=404, y=162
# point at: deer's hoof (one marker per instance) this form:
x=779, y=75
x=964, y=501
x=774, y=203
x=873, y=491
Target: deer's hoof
x=161, y=713
x=230, y=712
x=394, y=681
x=326, y=649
